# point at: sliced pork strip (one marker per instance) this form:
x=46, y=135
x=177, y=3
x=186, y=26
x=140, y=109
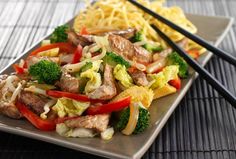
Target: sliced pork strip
x=7, y=107
x=108, y=89
x=97, y=122
x=163, y=54
x=77, y=39
x=126, y=49
x=10, y=110
x=66, y=58
x=33, y=101
x=68, y=83
x=139, y=78
x=127, y=33
x=3, y=80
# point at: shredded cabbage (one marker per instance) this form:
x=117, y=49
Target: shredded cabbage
x=65, y=131
x=121, y=75
x=81, y=132
x=163, y=77
x=70, y=107
x=36, y=90
x=62, y=129
x=95, y=80
x=107, y=134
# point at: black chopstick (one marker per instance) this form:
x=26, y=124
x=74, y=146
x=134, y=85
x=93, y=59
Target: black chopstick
x=197, y=67
x=224, y=55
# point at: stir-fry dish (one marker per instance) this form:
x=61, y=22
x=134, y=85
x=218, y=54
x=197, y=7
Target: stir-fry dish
x=101, y=75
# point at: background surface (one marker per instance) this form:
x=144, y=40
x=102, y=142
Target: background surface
x=204, y=124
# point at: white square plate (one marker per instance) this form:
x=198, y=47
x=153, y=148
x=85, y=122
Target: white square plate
x=210, y=28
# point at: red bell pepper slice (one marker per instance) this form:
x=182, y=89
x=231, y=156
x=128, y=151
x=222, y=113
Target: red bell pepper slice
x=176, y=83
x=84, y=31
x=25, y=64
x=64, y=47
x=110, y=107
x=78, y=97
x=77, y=54
x=45, y=125
x=194, y=53
x=18, y=69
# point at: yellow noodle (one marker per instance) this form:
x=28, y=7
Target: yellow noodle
x=120, y=14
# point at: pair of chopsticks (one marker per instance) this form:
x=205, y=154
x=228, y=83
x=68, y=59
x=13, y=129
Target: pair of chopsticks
x=196, y=66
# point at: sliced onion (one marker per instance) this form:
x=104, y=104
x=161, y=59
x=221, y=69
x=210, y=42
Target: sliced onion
x=94, y=48
x=21, y=63
x=9, y=83
x=156, y=65
x=47, y=108
x=36, y=90
x=133, y=119
x=75, y=67
x=16, y=92
x=85, y=50
x=100, y=56
x=139, y=66
x=140, y=43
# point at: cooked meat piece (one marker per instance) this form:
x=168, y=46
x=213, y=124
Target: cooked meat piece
x=10, y=110
x=33, y=101
x=128, y=50
x=68, y=83
x=34, y=59
x=76, y=39
x=8, y=85
x=97, y=122
x=127, y=34
x=162, y=54
x=167, y=51
x=139, y=78
x=66, y=58
x=108, y=89
x=3, y=80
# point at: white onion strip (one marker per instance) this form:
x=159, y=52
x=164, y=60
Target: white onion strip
x=155, y=66
x=139, y=66
x=34, y=89
x=47, y=108
x=9, y=83
x=133, y=119
x=16, y=92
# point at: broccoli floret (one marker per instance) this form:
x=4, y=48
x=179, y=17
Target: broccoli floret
x=152, y=47
x=45, y=72
x=175, y=59
x=143, y=120
x=138, y=36
x=59, y=34
x=113, y=59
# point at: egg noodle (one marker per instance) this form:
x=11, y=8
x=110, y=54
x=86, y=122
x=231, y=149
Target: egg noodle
x=120, y=14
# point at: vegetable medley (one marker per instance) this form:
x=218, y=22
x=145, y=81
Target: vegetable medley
x=87, y=85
